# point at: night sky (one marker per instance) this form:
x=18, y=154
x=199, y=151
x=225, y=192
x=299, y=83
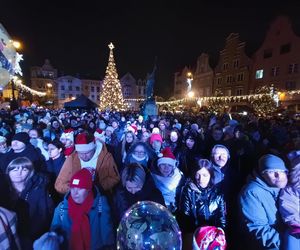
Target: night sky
x=75, y=36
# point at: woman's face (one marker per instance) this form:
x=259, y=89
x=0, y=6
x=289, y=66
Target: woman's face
x=139, y=151
x=54, y=152
x=129, y=138
x=133, y=186
x=79, y=194
x=190, y=143
x=165, y=169
x=156, y=145
x=202, y=177
x=18, y=174
x=173, y=136
x=145, y=136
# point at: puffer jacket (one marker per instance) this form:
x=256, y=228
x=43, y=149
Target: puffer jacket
x=201, y=207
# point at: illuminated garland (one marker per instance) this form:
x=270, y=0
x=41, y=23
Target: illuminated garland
x=19, y=84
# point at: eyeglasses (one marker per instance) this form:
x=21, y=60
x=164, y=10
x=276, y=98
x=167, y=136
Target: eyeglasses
x=139, y=152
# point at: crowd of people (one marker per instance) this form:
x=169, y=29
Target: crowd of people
x=68, y=176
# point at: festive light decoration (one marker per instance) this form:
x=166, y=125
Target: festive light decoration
x=111, y=96
x=23, y=87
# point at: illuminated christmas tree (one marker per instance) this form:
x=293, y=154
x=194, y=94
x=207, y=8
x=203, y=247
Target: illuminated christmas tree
x=111, y=94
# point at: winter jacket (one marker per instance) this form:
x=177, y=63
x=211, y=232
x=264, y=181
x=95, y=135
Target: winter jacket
x=30, y=152
x=106, y=175
x=259, y=215
x=202, y=207
x=54, y=166
x=100, y=221
x=34, y=208
x=289, y=205
x=170, y=187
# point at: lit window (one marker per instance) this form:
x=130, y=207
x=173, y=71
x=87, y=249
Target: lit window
x=259, y=74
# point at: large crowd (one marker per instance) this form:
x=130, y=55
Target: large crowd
x=69, y=176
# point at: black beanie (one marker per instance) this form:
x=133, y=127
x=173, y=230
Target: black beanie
x=22, y=137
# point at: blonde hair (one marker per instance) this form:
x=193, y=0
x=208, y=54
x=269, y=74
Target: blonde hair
x=21, y=162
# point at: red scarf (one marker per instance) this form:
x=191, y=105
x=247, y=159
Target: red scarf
x=81, y=230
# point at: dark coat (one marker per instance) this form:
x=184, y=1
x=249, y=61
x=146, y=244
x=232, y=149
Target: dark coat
x=30, y=152
x=34, y=208
x=201, y=207
x=54, y=166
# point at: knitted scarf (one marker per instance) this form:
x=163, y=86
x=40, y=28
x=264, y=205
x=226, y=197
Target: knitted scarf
x=81, y=231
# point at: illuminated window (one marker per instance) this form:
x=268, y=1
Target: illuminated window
x=259, y=74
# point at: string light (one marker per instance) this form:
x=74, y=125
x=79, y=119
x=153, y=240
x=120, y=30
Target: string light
x=23, y=87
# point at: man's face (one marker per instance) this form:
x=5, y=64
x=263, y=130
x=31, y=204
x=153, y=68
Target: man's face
x=87, y=155
x=17, y=146
x=217, y=134
x=220, y=157
x=114, y=124
x=173, y=136
x=275, y=178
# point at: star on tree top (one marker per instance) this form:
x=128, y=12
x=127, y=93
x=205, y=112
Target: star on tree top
x=111, y=46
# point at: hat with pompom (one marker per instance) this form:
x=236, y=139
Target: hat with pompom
x=68, y=134
x=132, y=128
x=167, y=157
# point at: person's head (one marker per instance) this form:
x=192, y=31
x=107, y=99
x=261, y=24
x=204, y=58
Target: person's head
x=203, y=173
x=19, y=142
x=48, y=241
x=220, y=155
x=109, y=130
x=139, y=151
x=140, y=119
x=167, y=163
x=114, y=123
x=190, y=139
x=34, y=133
x=3, y=145
x=273, y=170
x=133, y=178
x=81, y=185
x=217, y=133
x=55, y=148
x=20, y=170
x=129, y=136
x=156, y=141
x=174, y=136
x=85, y=146
x=55, y=124
x=145, y=136
x=67, y=138
x=162, y=125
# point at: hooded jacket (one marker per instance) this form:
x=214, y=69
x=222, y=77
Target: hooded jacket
x=259, y=214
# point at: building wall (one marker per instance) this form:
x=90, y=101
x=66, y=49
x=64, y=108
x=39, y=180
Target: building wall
x=203, y=77
x=277, y=61
x=92, y=89
x=68, y=88
x=232, y=70
x=180, y=83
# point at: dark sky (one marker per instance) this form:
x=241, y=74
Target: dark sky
x=75, y=36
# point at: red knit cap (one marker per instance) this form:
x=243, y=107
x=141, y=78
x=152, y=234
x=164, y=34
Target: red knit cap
x=155, y=137
x=82, y=179
x=84, y=143
x=167, y=158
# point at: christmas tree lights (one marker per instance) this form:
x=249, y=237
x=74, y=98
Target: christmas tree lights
x=111, y=94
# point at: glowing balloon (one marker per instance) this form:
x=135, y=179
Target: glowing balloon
x=148, y=225
x=8, y=56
